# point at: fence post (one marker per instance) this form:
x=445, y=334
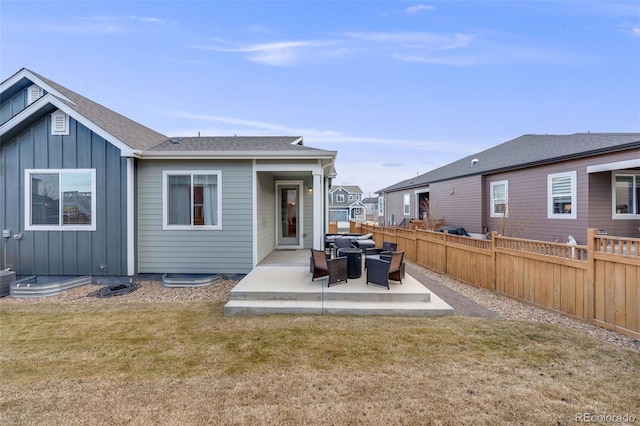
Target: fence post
x=590, y=284
x=446, y=252
x=494, y=282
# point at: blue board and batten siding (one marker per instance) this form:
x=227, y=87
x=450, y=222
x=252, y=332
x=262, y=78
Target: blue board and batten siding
x=13, y=106
x=65, y=252
x=197, y=251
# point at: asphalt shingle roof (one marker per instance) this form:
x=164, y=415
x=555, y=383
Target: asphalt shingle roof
x=234, y=143
x=352, y=189
x=525, y=151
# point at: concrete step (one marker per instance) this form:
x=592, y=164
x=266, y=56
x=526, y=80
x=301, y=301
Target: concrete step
x=334, y=294
x=265, y=307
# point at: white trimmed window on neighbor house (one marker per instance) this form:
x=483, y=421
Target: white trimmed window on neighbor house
x=407, y=204
x=192, y=199
x=562, y=195
x=499, y=198
x=626, y=195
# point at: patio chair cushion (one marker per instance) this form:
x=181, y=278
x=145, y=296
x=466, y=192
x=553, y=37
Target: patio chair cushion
x=335, y=269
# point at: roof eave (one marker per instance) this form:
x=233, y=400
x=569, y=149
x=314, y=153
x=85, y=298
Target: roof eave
x=237, y=155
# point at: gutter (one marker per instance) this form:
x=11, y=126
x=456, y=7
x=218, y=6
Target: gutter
x=236, y=155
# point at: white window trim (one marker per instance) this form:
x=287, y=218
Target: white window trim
x=27, y=200
x=380, y=206
x=64, y=130
x=165, y=199
x=622, y=216
x=407, y=205
x=574, y=196
x=506, y=199
x=339, y=198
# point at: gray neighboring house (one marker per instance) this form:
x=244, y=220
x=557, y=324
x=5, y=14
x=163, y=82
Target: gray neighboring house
x=345, y=204
x=371, y=208
x=87, y=191
x=542, y=187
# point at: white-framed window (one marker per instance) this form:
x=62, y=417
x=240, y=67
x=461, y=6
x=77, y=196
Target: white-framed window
x=60, y=199
x=339, y=198
x=626, y=195
x=59, y=123
x=350, y=197
x=562, y=195
x=381, y=206
x=500, y=199
x=192, y=199
x=357, y=197
x=407, y=204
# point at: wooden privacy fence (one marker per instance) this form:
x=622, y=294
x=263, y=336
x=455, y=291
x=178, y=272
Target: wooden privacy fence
x=598, y=283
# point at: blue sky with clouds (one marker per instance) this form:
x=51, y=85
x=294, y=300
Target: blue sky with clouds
x=397, y=88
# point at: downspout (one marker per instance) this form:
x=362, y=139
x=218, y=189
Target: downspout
x=131, y=237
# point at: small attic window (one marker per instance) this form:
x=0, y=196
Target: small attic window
x=34, y=93
x=59, y=123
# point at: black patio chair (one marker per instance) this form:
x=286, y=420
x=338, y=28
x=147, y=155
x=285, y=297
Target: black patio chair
x=388, y=267
x=335, y=269
x=386, y=247
x=341, y=242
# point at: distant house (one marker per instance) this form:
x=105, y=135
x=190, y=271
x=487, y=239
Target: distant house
x=87, y=191
x=345, y=203
x=371, y=208
x=543, y=187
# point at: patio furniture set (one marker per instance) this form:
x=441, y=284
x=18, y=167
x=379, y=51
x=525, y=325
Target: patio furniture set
x=342, y=259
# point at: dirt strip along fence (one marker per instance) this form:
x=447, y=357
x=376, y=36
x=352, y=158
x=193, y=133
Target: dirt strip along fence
x=597, y=283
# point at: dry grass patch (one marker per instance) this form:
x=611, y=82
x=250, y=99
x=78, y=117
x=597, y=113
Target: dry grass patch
x=187, y=364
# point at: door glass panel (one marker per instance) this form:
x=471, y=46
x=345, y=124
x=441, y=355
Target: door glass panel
x=289, y=212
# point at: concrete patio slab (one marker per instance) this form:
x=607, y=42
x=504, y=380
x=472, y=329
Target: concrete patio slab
x=282, y=284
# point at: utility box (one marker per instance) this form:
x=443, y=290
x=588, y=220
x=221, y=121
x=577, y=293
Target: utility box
x=6, y=279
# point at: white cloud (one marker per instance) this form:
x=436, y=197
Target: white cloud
x=280, y=53
x=636, y=31
x=453, y=49
x=414, y=10
x=415, y=40
x=114, y=19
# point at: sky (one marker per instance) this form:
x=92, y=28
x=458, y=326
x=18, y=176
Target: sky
x=397, y=88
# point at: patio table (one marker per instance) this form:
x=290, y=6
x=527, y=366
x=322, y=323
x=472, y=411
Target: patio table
x=354, y=261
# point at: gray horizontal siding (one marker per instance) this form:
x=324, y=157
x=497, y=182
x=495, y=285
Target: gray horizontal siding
x=228, y=250
x=459, y=201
